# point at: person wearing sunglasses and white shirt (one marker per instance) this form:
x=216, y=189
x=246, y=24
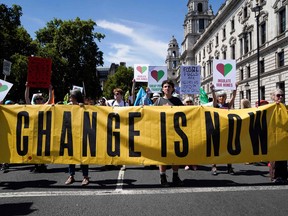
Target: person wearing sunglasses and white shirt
x=278, y=169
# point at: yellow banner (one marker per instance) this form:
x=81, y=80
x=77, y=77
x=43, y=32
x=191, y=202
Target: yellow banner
x=66, y=134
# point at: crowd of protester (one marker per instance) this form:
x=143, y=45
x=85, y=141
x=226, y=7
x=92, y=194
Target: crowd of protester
x=167, y=96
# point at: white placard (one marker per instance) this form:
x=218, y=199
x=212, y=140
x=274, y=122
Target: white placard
x=4, y=89
x=190, y=79
x=156, y=75
x=141, y=72
x=224, y=74
x=6, y=67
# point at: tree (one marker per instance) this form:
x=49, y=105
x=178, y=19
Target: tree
x=75, y=55
x=15, y=45
x=121, y=79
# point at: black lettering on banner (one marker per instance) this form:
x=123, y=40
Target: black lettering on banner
x=42, y=132
x=66, y=130
x=212, y=132
x=89, y=132
x=20, y=116
x=237, y=149
x=183, y=136
x=132, y=134
x=257, y=132
x=113, y=117
x=163, y=134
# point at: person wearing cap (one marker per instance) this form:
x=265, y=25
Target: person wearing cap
x=76, y=98
x=278, y=169
x=219, y=101
x=168, y=100
x=155, y=97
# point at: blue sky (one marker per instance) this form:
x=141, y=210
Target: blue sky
x=137, y=31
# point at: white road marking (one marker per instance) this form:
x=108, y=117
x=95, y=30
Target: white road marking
x=120, y=191
x=120, y=179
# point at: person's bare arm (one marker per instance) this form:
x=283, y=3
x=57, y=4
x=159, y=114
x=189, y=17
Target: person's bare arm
x=213, y=95
x=231, y=102
x=27, y=99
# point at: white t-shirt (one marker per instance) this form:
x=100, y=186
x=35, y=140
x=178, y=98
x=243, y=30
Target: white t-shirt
x=115, y=103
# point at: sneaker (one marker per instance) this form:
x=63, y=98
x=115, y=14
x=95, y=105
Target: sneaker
x=85, y=181
x=231, y=171
x=70, y=180
x=187, y=168
x=163, y=180
x=214, y=171
x=176, y=181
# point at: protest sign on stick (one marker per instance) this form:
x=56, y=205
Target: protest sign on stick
x=39, y=72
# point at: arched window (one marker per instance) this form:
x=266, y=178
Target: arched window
x=200, y=7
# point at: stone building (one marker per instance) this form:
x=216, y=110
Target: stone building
x=232, y=34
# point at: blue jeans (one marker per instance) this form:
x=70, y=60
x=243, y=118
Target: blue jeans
x=71, y=169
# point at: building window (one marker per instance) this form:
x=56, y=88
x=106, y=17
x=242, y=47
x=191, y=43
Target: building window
x=263, y=33
x=200, y=7
x=241, y=47
x=282, y=21
x=246, y=43
x=241, y=95
x=241, y=74
x=232, y=24
x=248, y=94
x=233, y=51
x=262, y=92
x=262, y=66
x=174, y=64
x=245, y=12
x=224, y=54
x=248, y=71
x=204, y=53
x=174, y=54
x=280, y=58
x=217, y=40
x=210, y=67
x=201, y=25
x=224, y=32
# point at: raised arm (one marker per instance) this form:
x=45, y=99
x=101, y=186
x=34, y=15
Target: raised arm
x=49, y=101
x=213, y=95
x=27, y=99
x=231, y=102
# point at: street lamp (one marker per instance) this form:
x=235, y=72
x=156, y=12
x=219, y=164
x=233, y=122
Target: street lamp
x=257, y=10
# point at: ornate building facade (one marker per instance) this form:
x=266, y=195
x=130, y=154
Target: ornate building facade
x=232, y=34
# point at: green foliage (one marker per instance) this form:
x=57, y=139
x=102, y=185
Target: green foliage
x=70, y=44
x=15, y=45
x=121, y=79
x=75, y=55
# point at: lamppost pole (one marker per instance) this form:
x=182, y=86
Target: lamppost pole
x=257, y=10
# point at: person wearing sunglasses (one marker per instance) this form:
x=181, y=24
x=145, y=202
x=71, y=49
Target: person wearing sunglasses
x=278, y=169
x=37, y=99
x=219, y=101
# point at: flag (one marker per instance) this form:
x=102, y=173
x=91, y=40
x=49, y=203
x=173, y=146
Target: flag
x=142, y=98
x=203, y=96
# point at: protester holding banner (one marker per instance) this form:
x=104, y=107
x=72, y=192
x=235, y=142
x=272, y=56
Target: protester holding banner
x=118, y=100
x=278, y=169
x=219, y=101
x=188, y=101
x=169, y=100
x=76, y=98
x=5, y=166
x=37, y=99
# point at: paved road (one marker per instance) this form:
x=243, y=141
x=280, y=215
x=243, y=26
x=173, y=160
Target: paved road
x=136, y=191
